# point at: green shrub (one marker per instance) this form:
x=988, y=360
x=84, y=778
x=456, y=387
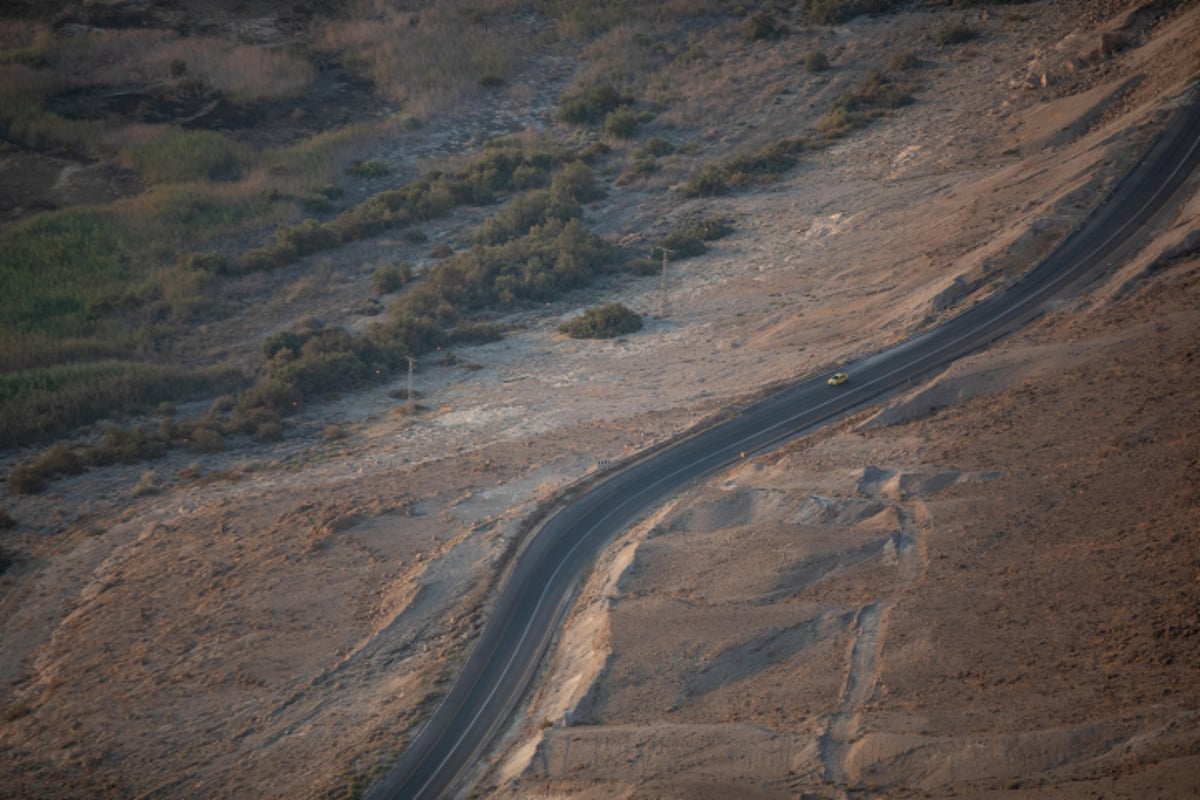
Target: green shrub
x=839, y=122
x=575, y=182
x=59, y=460
x=390, y=277
x=283, y=340
x=370, y=168
x=654, y=147
x=204, y=439
x=953, y=33
x=208, y=262
x=591, y=103
x=772, y=160
x=816, y=61
x=518, y=216
x=875, y=92
x=256, y=408
x=710, y=181
x=25, y=479
x=762, y=25
x=763, y=165
x=688, y=240
x=469, y=332
x=149, y=483
x=904, y=61
x=126, y=445
x=620, y=123
x=603, y=322
x=832, y=12
x=643, y=266
x=271, y=431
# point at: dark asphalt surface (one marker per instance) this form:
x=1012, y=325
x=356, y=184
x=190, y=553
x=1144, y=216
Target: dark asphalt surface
x=541, y=586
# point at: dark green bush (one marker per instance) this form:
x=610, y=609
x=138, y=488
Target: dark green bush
x=620, y=123
x=839, y=122
x=59, y=460
x=468, y=332
x=904, y=61
x=25, y=479
x=255, y=408
x=204, y=439
x=816, y=61
x=773, y=159
x=654, y=147
x=687, y=240
x=517, y=217
x=371, y=168
x=283, y=340
x=875, y=92
x=762, y=25
x=763, y=165
x=591, y=103
x=271, y=431
x=602, y=322
x=575, y=182
x=953, y=33
x=832, y=12
x=390, y=277
x=209, y=262
x=710, y=181
x=126, y=445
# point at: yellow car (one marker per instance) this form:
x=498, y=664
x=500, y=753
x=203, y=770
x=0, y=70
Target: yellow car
x=838, y=378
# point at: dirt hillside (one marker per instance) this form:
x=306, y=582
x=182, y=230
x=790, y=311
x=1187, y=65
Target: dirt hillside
x=986, y=587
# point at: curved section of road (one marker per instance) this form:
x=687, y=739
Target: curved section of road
x=541, y=584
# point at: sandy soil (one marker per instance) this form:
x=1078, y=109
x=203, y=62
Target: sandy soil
x=985, y=588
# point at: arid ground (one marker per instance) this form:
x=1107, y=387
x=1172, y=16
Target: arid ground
x=985, y=586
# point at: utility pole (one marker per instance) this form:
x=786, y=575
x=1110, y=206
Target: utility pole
x=663, y=285
x=410, y=389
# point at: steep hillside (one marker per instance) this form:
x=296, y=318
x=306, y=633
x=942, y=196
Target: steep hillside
x=985, y=587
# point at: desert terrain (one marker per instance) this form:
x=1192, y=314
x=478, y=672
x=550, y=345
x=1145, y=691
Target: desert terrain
x=986, y=586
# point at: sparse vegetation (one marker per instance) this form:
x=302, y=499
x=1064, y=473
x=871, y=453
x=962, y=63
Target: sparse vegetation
x=604, y=322
x=761, y=166
x=875, y=95
x=95, y=342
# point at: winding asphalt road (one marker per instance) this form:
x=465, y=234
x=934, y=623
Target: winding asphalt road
x=541, y=585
